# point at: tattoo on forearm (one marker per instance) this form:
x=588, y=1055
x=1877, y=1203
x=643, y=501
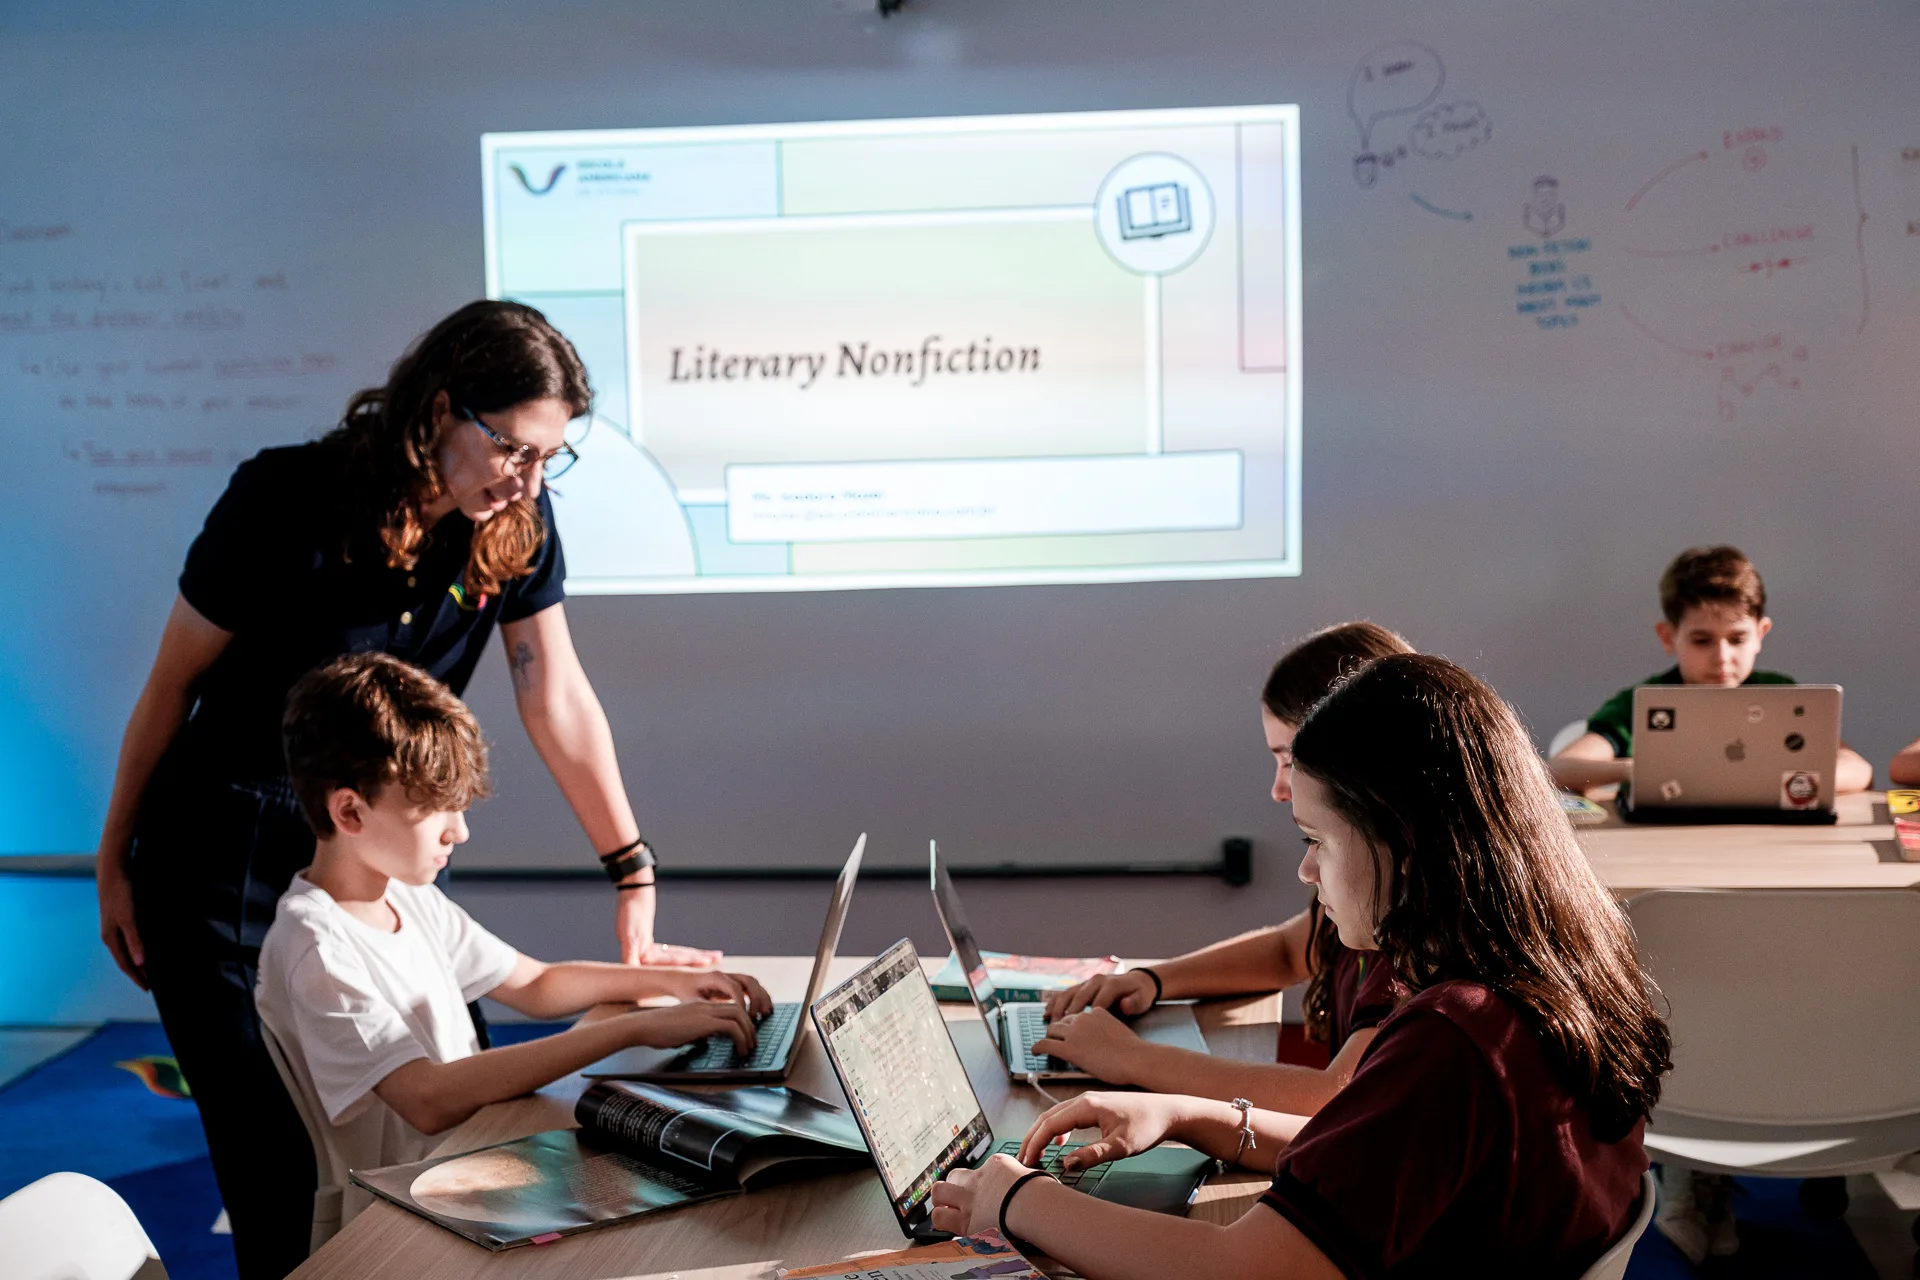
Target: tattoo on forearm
x=520, y=663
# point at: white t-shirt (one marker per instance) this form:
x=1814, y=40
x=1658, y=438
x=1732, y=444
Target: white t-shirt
x=350, y=1003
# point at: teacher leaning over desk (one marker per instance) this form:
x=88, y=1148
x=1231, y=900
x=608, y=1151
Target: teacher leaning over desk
x=413, y=528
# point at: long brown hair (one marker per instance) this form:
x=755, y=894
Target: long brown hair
x=1299, y=680
x=1483, y=879
x=486, y=356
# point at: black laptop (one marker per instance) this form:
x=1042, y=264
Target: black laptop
x=908, y=1088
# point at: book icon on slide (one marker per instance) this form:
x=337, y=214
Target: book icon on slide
x=1147, y=213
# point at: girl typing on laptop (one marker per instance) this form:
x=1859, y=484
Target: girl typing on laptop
x=1494, y=1125
x=1347, y=994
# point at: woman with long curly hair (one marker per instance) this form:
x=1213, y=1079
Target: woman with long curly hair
x=417, y=527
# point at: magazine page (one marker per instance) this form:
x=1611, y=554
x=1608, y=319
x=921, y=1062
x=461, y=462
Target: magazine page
x=536, y=1189
x=712, y=1131
x=961, y=1258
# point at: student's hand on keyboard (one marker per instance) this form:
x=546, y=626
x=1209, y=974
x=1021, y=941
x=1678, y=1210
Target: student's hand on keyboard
x=1096, y=1042
x=1129, y=1123
x=1131, y=993
x=968, y=1202
x=729, y=988
x=681, y=1024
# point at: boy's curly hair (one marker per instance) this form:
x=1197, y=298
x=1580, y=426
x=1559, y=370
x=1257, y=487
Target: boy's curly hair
x=368, y=721
x=1711, y=575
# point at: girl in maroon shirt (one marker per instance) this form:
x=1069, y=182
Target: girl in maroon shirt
x=1347, y=993
x=1493, y=1127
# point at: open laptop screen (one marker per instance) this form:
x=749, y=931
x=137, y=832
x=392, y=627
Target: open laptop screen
x=908, y=1087
x=960, y=933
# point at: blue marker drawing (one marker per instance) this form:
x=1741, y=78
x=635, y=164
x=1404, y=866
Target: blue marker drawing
x=1462, y=215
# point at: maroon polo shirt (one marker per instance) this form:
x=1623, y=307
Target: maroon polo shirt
x=1456, y=1151
x=1363, y=993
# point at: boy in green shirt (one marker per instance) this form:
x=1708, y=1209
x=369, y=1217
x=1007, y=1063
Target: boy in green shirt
x=1715, y=608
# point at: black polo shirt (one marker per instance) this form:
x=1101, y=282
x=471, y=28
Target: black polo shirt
x=279, y=565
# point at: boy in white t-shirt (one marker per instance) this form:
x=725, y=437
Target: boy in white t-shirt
x=366, y=973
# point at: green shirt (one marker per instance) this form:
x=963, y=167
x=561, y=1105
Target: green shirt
x=1614, y=720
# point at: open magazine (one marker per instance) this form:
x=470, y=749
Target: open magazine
x=640, y=1148
x=961, y=1258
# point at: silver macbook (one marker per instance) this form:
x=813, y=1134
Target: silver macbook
x=1016, y=1024
x=1749, y=753
x=909, y=1090
x=717, y=1059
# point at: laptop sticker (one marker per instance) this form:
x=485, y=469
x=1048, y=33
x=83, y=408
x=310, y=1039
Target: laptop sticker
x=1799, y=789
x=1660, y=718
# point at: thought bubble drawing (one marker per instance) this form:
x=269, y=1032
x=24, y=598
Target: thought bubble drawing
x=1450, y=129
x=1394, y=80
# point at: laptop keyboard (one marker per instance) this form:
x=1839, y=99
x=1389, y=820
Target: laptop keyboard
x=1029, y=1025
x=769, y=1050
x=1080, y=1179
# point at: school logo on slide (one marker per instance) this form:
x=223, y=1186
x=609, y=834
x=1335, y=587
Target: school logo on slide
x=527, y=182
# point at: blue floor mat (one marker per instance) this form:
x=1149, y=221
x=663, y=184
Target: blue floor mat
x=177, y=1204
x=82, y=1111
x=1778, y=1241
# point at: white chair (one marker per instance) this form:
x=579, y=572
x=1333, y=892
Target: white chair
x=329, y=1195
x=68, y=1226
x=1794, y=1039
x=1612, y=1264
x=1568, y=735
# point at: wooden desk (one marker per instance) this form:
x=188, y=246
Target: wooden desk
x=820, y=1220
x=1858, y=852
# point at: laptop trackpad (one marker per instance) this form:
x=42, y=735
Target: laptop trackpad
x=640, y=1060
x=1171, y=1024
x=1161, y=1180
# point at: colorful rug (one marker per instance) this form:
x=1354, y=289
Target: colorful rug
x=114, y=1107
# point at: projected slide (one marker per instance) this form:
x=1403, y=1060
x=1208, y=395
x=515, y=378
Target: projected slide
x=903, y=353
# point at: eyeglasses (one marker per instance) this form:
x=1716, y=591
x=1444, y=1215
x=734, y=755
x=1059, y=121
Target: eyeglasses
x=521, y=457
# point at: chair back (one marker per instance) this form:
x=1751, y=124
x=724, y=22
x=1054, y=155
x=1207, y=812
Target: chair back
x=331, y=1175
x=1612, y=1264
x=1566, y=737
x=68, y=1226
x=1787, y=1006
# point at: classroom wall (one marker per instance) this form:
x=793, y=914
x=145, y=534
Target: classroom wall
x=1502, y=492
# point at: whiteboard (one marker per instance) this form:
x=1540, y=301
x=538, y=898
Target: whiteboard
x=220, y=220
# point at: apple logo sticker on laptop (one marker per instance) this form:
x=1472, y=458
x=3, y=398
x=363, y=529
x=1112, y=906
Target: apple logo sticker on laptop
x=1736, y=751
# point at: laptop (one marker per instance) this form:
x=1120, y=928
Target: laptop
x=1016, y=1024
x=908, y=1089
x=1751, y=753
x=716, y=1059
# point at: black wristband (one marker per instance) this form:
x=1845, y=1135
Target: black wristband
x=627, y=859
x=1007, y=1199
x=622, y=888
x=1158, y=989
